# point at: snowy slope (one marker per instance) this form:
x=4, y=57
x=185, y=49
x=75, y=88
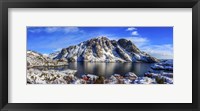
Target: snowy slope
x=36, y=59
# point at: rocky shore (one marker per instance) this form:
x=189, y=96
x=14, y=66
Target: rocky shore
x=35, y=76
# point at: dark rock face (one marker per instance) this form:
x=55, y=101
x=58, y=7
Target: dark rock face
x=128, y=45
x=122, y=42
x=71, y=59
x=102, y=49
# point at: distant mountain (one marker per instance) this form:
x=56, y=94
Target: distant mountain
x=53, y=55
x=37, y=59
x=102, y=49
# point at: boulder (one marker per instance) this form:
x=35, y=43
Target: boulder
x=131, y=76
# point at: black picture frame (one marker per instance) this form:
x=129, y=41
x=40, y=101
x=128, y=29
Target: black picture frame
x=6, y=4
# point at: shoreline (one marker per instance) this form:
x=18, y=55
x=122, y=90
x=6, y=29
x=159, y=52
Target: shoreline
x=69, y=76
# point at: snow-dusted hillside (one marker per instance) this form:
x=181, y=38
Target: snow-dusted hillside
x=102, y=49
x=36, y=59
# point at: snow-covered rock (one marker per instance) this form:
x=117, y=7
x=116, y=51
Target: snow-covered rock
x=131, y=76
x=90, y=76
x=127, y=81
x=144, y=80
x=113, y=80
x=35, y=76
x=163, y=65
x=161, y=78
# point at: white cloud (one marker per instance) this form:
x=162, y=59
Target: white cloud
x=139, y=41
x=164, y=51
x=35, y=30
x=113, y=38
x=55, y=29
x=58, y=49
x=51, y=29
x=131, y=29
x=62, y=29
x=70, y=29
x=135, y=33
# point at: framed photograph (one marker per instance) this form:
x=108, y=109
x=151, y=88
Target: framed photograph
x=99, y=55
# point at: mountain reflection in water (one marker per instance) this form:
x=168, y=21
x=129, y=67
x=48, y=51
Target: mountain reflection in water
x=104, y=69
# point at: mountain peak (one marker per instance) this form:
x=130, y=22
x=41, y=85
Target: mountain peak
x=102, y=37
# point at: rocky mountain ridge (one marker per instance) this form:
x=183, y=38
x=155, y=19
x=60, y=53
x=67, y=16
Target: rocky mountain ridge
x=101, y=49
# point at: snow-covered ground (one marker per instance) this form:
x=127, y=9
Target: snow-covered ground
x=35, y=76
x=161, y=78
x=163, y=65
x=162, y=72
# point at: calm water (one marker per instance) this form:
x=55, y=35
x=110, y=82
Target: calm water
x=105, y=69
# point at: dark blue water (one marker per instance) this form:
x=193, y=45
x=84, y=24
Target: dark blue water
x=105, y=69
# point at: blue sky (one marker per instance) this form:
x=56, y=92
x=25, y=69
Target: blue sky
x=157, y=41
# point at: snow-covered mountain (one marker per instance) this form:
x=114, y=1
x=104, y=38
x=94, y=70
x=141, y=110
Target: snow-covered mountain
x=37, y=59
x=102, y=49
